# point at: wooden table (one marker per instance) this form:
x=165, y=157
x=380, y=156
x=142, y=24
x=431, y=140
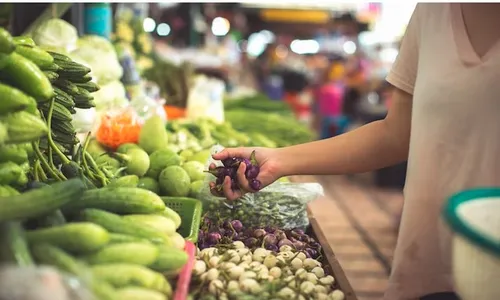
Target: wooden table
x=330, y=259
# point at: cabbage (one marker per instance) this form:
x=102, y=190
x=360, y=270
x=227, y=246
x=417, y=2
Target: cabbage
x=56, y=34
x=101, y=57
x=111, y=95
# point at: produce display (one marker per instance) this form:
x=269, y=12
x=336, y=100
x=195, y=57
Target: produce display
x=108, y=209
x=256, y=263
x=61, y=205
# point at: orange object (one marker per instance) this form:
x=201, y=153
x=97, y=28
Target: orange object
x=119, y=128
x=174, y=112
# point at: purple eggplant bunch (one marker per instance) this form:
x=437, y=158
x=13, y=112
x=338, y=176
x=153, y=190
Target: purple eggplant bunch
x=229, y=169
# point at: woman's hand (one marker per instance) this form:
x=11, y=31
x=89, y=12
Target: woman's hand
x=268, y=162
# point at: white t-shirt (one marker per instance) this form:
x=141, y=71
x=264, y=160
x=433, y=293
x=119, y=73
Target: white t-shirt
x=454, y=144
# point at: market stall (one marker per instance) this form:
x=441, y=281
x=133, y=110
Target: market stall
x=109, y=187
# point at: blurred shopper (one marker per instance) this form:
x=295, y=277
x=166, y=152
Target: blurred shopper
x=269, y=81
x=355, y=78
x=443, y=118
x=330, y=99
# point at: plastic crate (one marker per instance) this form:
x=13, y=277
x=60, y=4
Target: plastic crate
x=190, y=211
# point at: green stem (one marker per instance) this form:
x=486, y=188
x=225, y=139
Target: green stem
x=42, y=174
x=44, y=163
x=61, y=155
x=36, y=166
x=93, y=165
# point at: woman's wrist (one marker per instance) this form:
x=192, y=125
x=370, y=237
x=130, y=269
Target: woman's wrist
x=283, y=164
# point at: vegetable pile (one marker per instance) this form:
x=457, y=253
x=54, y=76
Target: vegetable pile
x=239, y=273
x=61, y=205
x=229, y=169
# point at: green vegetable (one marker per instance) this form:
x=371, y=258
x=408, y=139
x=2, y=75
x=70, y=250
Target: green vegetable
x=23, y=127
x=136, y=160
x=24, y=41
x=161, y=159
x=81, y=237
x=169, y=259
x=153, y=135
x=13, y=99
x=54, y=256
x=28, y=77
x=116, y=224
x=123, y=148
x=6, y=42
x=156, y=222
x=138, y=293
x=125, y=181
x=40, y=57
x=195, y=188
x=172, y=215
x=119, y=200
x=134, y=253
x=9, y=173
x=174, y=181
x=13, y=153
x=149, y=184
x=118, y=238
x=14, y=249
x=122, y=275
x=7, y=191
x=195, y=170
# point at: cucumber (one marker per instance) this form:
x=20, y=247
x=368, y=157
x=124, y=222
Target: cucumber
x=67, y=86
x=60, y=57
x=121, y=200
x=28, y=77
x=55, y=218
x=40, y=201
x=118, y=238
x=48, y=254
x=79, y=79
x=169, y=259
x=103, y=290
x=9, y=173
x=142, y=254
x=71, y=169
x=14, y=246
x=137, y=293
x=52, y=76
x=89, y=86
x=6, y=42
x=172, y=215
x=59, y=112
x=122, y=275
x=80, y=237
x=13, y=99
x=116, y=224
x=13, y=153
x=156, y=222
x=7, y=191
x=23, y=127
x=40, y=57
x=124, y=181
x=24, y=41
x=52, y=68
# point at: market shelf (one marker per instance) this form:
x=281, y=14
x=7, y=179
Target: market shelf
x=360, y=223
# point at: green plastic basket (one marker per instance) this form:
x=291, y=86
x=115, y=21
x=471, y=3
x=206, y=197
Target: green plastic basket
x=190, y=211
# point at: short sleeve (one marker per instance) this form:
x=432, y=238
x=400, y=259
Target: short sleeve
x=403, y=73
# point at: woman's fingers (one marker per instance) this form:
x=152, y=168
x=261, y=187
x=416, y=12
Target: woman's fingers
x=232, y=152
x=242, y=180
x=229, y=192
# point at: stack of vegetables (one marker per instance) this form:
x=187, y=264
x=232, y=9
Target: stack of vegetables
x=256, y=263
x=59, y=206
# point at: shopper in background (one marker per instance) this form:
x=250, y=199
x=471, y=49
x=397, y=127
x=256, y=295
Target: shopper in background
x=443, y=118
x=330, y=99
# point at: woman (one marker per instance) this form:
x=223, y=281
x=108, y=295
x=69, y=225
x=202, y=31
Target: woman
x=443, y=118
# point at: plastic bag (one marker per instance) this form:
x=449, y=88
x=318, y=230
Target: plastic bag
x=206, y=99
x=42, y=283
x=56, y=34
x=283, y=205
x=119, y=127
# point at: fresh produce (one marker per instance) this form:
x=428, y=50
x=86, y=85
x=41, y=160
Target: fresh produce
x=258, y=102
x=153, y=135
x=174, y=181
x=14, y=247
x=195, y=170
x=236, y=273
x=215, y=232
x=142, y=254
x=229, y=169
x=283, y=130
x=161, y=159
x=149, y=184
x=136, y=161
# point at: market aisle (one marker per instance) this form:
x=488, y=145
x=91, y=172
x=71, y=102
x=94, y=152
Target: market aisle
x=360, y=223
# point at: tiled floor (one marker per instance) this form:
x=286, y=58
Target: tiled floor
x=360, y=223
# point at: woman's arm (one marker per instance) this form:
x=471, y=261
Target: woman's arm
x=375, y=145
